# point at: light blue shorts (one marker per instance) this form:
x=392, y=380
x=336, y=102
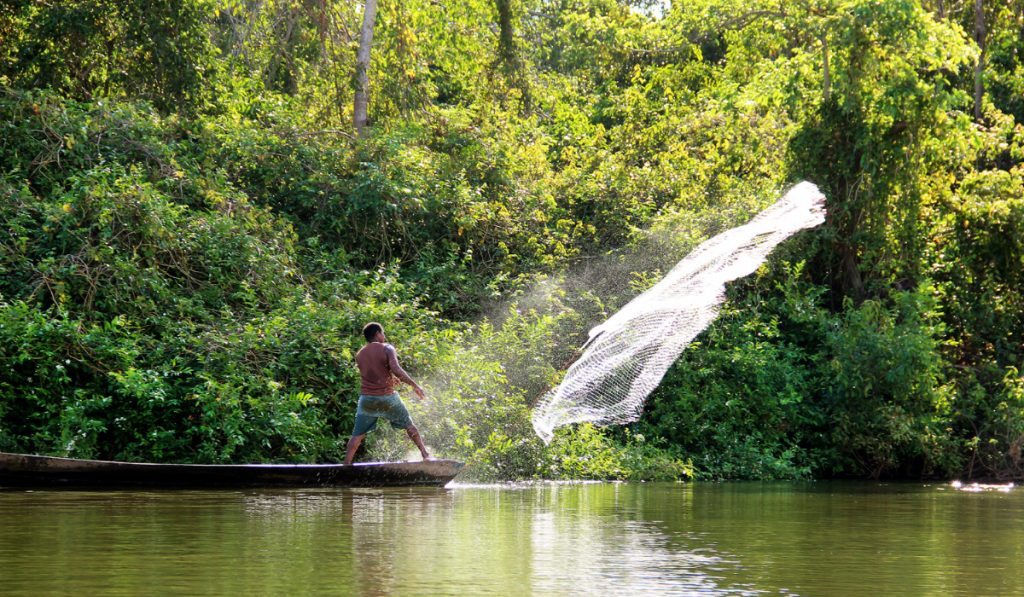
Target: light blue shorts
x=388, y=407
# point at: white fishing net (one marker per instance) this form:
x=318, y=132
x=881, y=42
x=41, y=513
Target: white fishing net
x=627, y=355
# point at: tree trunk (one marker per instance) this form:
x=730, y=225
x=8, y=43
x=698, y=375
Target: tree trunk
x=827, y=75
x=511, y=64
x=979, y=66
x=506, y=35
x=363, y=66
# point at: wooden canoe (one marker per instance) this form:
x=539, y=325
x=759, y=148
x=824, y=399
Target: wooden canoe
x=22, y=470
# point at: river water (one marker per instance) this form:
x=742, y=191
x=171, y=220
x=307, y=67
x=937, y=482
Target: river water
x=630, y=539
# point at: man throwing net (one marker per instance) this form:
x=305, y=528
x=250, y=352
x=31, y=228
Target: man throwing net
x=379, y=371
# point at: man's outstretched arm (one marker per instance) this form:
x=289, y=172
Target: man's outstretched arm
x=402, y=375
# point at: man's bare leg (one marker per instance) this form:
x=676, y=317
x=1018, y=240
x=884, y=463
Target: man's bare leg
x=414, y=435
x=353, y=445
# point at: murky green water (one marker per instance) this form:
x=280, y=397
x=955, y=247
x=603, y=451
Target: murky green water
x=596, y=539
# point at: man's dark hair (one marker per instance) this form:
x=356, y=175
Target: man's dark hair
x=370, y=330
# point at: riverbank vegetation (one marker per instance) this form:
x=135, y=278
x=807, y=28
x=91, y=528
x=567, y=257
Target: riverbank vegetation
x=196, y=223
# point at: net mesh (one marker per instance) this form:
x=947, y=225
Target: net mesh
x=627, y=355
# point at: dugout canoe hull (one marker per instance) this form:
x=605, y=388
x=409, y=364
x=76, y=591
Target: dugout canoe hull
x=28, y=471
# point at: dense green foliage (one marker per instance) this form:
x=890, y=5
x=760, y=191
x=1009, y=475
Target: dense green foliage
x=194, y=235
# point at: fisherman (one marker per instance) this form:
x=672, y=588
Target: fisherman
x=378, y=370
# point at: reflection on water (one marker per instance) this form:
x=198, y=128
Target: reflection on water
x=590, y=539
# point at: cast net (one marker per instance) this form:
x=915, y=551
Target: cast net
x=627, y=355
